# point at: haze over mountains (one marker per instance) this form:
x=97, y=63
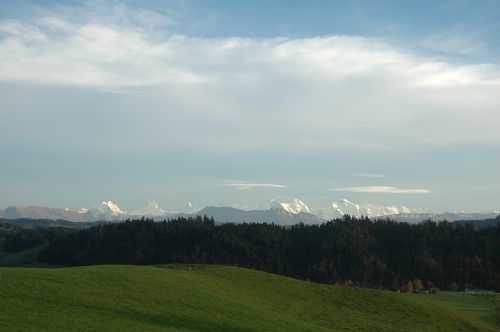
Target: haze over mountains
x=284, y=213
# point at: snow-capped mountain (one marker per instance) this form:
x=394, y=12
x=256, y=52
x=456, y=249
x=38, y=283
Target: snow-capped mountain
x=295, y=206
x=111, y=207
x=153, y=209
x=343, y=206
x=284, y=213
x=273, y=215
x=107, y=210
x=448, y=216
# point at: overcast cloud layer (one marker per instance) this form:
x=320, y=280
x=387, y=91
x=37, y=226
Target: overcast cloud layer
x=117, y=100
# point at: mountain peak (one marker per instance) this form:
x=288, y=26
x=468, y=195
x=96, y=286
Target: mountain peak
x=344, y=206
x=113, y=208
x=151, y=209
x=295, y=206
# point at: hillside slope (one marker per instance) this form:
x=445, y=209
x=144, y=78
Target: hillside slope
x=209, y=298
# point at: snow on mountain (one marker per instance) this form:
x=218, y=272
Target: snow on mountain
x=115, y=210
x=190, y=208
x=296, y=206
x=274, y=215
x=105, y=211
x=112, y=208
x=343, y=206
x=284, y=213
x=448, y=216
x=153, y=209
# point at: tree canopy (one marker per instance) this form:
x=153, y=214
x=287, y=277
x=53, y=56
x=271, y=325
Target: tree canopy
x=373, y=254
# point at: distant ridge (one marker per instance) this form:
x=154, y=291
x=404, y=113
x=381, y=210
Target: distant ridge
x=343, y=206
x=32, y=223
x=448, y=216
x=479, y=224
x=289, y=213
x=274, y=215
x=38, y=212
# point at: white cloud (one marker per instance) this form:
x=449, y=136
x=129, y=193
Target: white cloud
x=242, y=186
x=231, y=95
x=125, y=49
x=382, y=190
x=369, y=175
x=92, y=55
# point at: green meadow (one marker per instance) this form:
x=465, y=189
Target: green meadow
x=207, y=298
x=480, y=306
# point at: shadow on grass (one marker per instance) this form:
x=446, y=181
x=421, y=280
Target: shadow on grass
x=163, y=321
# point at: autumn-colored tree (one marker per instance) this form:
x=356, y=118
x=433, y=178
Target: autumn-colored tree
x=417, y=283
x=409, y=287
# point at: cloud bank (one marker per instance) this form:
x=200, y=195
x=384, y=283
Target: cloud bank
x=320, y=87
x=381, y=190
x=102, y=53
x=242, y=186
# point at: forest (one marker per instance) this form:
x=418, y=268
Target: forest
x=378, y=254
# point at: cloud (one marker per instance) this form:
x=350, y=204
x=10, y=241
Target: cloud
x=335, y=94
x=242, y=186
x=127, y=48
x=369, y=175
x=297, y=109
x=382, y=190
x=455, y=43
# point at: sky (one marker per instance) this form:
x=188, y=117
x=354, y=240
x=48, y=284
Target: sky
x=235, y=103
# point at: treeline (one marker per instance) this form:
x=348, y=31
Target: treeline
x=19, y=239
x=7, y=229
x=348, y=250
x=478, y=224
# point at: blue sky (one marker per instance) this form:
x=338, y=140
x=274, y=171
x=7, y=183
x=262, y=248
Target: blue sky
x=237, y=103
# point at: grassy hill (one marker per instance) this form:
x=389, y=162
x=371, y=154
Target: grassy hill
x=475, y=305
x=209, y=298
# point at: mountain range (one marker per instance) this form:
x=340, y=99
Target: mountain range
x=284, y=213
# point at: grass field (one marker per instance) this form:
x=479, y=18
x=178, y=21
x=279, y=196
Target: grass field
x=207, y=298
x=479, y=306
